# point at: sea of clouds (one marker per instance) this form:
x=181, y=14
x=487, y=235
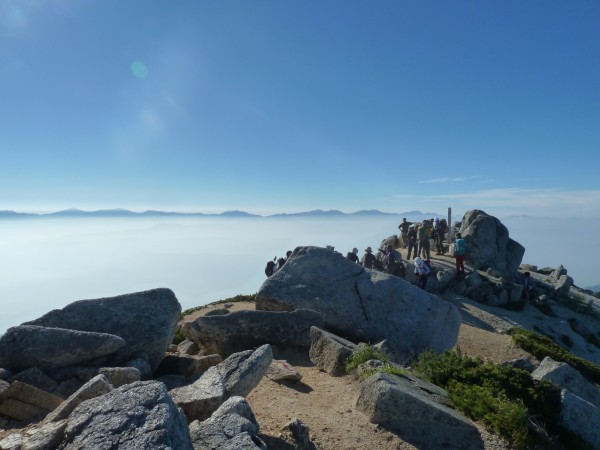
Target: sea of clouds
x=48, y=263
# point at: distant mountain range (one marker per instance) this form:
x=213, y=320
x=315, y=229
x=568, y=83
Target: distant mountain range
x=119, y=212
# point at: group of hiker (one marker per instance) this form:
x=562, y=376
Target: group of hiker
x=415, y=237
x=276, y=263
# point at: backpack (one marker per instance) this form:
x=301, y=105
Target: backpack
x=460, y=247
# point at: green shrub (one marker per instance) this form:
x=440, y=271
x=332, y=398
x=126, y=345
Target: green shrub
x=506, y=417
x=501, y=397
x=541, y=346
x=363, y=355
x=179, y=337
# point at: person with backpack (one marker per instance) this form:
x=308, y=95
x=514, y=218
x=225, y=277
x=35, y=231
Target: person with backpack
x=270, y=268
x=412, y=241
x=440, y=231
x=393, y=262
x=460, y=250
x=368, y=259
x=353, y=255
x=422, y=270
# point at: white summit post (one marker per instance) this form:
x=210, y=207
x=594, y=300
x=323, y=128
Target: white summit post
x=450, y=229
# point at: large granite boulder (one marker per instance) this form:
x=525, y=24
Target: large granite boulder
x=236, y=376
x=145, y=320
x=361, y=304
x=47, y=348
x=488, y=244
x=238, y=331
x=137, y=415
x=418, y=412
x=231, y=427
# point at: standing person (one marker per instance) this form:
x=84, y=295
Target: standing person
x=424, y=247
x=353, y=255
x=527, y=283
x=404, y=232
x=440, y=231
x=460, y=250
x=422, y=270
x=368, y=259
x=411, y=236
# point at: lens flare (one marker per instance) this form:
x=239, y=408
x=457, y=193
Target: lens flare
x=139, y=69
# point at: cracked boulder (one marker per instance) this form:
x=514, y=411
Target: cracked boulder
x=361, y=304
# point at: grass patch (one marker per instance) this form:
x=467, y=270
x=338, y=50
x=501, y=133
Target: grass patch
x=503, y=398
x=179, y=337
x=364, y=354
x=237, y=298
x=541, y=346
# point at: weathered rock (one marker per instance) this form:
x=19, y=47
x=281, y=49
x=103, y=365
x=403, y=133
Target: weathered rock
x=5, y=374
x=489, y=244
x=297, y=434
x=173, y=381
x=46, y=437
x=225, y=432
x=12, y=442
x=232, y=426
x=521, y=363
x=35, y=377
x=142, y=365
x=66, y=388
x=138, y=415
x=330, y=352
x=96, y=387
x=187, y=366
x=217, y=312
x=204, y=362
x=3, y=386
x=200, y=399
x=240, y=330
x=563, y=286
x=416, y=413
x=566, y=377
x=120, y=376
x=558, y=272
x=363, y=305
x=39, y=346
x=243, y=371
x=24, y=402
x=145, y=320
x=188, y=347
x=580, y=417
x=281, y=370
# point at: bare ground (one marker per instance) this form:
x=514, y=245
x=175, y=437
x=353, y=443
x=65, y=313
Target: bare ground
x=327, y=404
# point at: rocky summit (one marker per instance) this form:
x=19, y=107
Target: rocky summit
x=105, y=374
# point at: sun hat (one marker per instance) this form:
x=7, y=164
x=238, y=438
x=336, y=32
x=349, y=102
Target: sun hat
x=368, y=250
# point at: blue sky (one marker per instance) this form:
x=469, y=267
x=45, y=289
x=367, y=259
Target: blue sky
x=281, y=106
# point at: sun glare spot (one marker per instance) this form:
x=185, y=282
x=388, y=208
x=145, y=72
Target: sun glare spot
x=139, y=69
